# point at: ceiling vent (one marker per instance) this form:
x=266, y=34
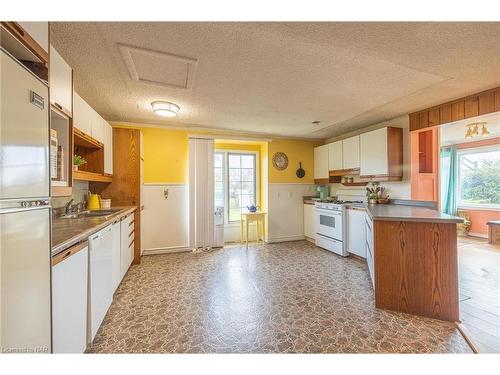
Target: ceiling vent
x=158, y=68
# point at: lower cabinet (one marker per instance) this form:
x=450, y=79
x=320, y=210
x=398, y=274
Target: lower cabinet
x=116, y=254
x=101, y=282
x=309, y=230
x=69, y=300
x=369, y=248
x=127, y=243
x=356, y=231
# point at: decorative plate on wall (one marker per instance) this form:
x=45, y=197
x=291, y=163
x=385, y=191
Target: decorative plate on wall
x=280, y=161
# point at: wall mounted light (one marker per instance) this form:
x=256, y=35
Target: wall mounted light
x=473, y=130
x=165, y=109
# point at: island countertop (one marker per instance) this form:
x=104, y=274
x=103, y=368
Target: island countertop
x=67, y=232
x=396, y=212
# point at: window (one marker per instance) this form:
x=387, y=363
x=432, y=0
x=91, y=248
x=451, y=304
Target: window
x=235, y=182
x=479, y=177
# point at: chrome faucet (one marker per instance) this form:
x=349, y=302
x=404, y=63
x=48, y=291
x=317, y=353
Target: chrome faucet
x=67, y=207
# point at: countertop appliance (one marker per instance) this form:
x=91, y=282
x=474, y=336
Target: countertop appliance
x=330, y=223
x=101, y=278
x=25, y=210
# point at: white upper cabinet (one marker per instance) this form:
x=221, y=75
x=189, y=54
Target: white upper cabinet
x=335, y=156
x=39, y=31
x=61, y=82
x=373, y=153
x=321, y=162
x=82, y=114
x=108, y=148
x=350, y=153
x=97, y=124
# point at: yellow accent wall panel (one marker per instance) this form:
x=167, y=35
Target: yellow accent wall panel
x=297, y=151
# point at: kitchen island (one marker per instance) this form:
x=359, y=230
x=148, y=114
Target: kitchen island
x=415, y=266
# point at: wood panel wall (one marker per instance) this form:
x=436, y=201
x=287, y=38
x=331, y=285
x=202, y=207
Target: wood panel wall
x=125, y=190
x=471, y=106
x=416, y=268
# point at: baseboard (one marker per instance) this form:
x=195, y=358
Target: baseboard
x=166, y=250
x=480, y=235
x=311, y=240
x=286, y=238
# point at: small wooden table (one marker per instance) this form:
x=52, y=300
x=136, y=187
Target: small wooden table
x=494, y=232
x=247, y=217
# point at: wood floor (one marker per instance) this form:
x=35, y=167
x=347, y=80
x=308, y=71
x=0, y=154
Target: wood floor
x=479, y=274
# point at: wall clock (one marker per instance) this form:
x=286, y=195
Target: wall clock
x=280, y=161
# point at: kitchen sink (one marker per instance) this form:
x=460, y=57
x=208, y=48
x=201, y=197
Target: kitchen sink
x=96, y=213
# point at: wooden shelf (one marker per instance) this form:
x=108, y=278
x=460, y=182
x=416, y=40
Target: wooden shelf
x=61, y=191
x=84, y=140
x=360, y=183
x=91, y=176
x=344, y=172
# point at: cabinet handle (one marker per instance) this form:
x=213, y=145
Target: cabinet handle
x=58, y=106
x=132, y=222
x=67, y=254
x=131, y=233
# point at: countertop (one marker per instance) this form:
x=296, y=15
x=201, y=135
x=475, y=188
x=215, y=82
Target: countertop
x=395, y=212
x=67, y=232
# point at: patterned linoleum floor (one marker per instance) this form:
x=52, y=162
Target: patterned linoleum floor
x=278, y=298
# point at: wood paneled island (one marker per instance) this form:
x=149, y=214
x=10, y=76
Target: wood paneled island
x=415, y=262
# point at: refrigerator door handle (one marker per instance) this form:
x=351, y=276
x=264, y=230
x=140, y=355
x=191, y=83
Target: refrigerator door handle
x=22, y=209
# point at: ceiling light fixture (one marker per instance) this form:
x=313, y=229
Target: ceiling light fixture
x=165, y=109
x=473, y=130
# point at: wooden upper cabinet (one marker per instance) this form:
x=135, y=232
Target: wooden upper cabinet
x=457, y=111
x=471, y=107
x=423, y=119
x=497, y=99
x=475, y=105
x=445, y=114
x=434, y=117
x=61, y=83
x=486, y=103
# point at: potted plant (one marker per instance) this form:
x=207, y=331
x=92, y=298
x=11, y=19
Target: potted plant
x=77, y=161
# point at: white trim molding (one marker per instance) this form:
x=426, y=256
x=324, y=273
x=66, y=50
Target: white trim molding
x=167, y=250
x=286, y=239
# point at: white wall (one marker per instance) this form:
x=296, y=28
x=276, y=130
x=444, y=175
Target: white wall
x=165, y=222
x=286, y=211
x=400, y=189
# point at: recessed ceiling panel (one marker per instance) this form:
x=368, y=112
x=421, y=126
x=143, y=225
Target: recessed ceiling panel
x=158, y=68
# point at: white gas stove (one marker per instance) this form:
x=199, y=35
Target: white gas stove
x=330, y=220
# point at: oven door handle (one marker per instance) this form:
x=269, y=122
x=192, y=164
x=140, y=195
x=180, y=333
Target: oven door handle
x=330, y=212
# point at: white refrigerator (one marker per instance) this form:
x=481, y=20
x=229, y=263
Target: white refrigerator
x=25, y=212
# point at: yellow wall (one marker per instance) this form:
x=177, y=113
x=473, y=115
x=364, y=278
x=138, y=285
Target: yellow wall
x=166, y=154
x=297, y=151
x=166, y=157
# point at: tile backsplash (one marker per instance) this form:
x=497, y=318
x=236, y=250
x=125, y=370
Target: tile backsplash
x=80, y=189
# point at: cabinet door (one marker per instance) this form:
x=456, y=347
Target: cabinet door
x=81, y=112
x=373, y=153
x=69, y=303
x=116, y=255
x=350, y=152
x=39, y=31
x=61, y=82
x=356, y=236
x=321, y=162
x=108, y=148
x=97, y=126
x=335, y=156
x=309, y=220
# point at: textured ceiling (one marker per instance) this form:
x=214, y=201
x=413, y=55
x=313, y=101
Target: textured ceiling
x=276, y=78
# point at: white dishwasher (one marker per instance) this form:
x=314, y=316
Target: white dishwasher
x=69, y=299
x=101, y=279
